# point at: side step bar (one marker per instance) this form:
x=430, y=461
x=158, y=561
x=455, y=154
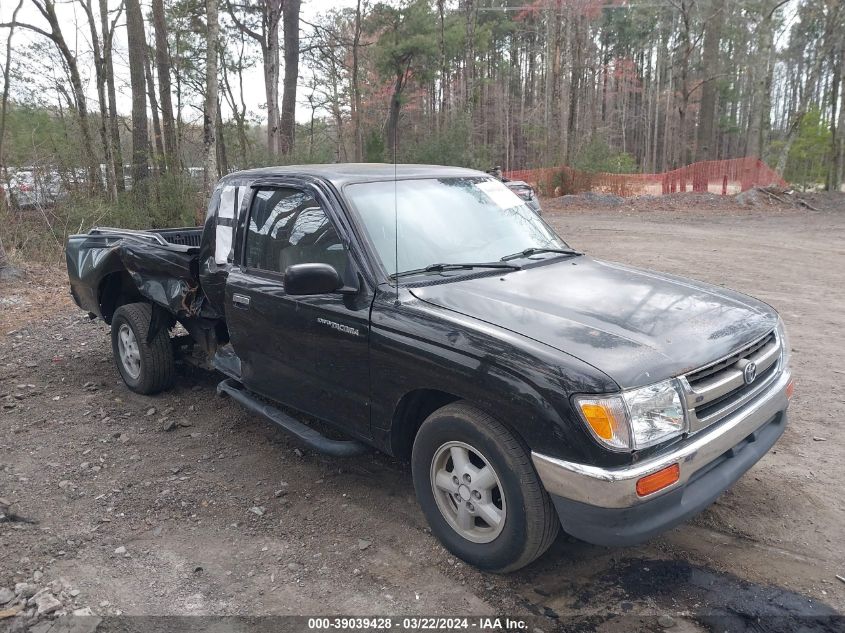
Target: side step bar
x=304, y=433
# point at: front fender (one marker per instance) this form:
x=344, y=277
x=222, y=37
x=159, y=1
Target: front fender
x=521, y=382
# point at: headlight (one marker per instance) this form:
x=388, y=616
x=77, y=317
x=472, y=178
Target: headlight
x=636, y=418
x=785, y=350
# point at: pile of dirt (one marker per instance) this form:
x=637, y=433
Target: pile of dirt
x=757, y=199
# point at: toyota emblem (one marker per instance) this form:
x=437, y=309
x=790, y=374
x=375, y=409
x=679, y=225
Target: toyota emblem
x=749, y=373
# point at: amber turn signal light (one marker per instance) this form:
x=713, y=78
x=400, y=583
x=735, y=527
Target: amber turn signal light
x=599, y=419
x=790, y=389
x=659, y=480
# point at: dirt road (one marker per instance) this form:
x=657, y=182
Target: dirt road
x=184, y=504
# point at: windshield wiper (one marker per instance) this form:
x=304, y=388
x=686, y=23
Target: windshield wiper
x=437, y=268
x=535, y=250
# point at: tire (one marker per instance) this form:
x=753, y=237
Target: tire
x=527, y=523
x=146, y=368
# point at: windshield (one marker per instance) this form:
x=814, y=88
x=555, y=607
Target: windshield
x=447, y=221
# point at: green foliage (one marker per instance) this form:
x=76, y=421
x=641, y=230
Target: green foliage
x=374, y=147
x=35, y=135
x=175, y=200
x=408, y=43
x=451, y=146
x=598, y=156
x=807, y=163
x=40, y=234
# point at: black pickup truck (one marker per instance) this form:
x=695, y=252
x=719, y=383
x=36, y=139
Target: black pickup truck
x=427, y=312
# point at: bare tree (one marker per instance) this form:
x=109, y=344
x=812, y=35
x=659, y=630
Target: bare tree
x=162, y=58
x=210, y=110
x=838, y=140
x=356, y=86
x=287, y=125
x=47, y=9
x=6, y=268
x=7, y=83
x=101, y=76
x=107, y=29
x=158, y=142
x=266, y=33
x=705, y=149
x=237, y=102
x=137, y=56
x=760, y=94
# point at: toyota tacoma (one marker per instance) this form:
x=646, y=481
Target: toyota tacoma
x=427, y=312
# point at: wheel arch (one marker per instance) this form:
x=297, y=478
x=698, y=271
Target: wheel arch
x=116, y=289
x=416, y=405
x=410, y=412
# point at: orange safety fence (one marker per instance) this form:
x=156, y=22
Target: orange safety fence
x=714, y=176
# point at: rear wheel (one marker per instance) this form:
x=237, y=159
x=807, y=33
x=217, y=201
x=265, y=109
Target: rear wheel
x=146, y=368
x=479, y=491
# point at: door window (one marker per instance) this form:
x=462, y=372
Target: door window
x=287, y=227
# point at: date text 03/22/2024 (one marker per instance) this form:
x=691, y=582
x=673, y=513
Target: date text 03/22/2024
x=418, y=623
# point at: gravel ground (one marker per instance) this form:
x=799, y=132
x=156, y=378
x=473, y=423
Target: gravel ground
x=115, y=503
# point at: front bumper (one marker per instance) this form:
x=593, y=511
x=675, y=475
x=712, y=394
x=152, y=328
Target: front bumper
x=601, y=505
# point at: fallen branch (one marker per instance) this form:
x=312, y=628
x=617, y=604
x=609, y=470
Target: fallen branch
x=804, y=203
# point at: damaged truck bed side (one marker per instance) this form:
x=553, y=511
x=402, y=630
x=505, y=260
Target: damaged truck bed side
x=110, y=267
x=428, y=312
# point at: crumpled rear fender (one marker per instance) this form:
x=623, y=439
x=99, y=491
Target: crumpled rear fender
x=165, y=276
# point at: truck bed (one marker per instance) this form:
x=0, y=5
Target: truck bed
x=156, y=265
x=185, y=236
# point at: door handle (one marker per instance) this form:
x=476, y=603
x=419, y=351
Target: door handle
x=240, y=301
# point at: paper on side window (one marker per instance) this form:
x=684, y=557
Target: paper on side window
x=227, y=211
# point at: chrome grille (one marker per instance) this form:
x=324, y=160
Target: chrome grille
x=714, y=391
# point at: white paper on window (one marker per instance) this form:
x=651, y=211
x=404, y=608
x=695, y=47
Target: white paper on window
x=227, y=212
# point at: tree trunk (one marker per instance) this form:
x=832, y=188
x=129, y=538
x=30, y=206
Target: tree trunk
x=356, y=88
x=222, y=160
x=137, y=44
x=760, y=94
x=6, y=269
x=4, y=102
x=162, y=58
x=471, y=20
x=271, y=91
x=268, y=39
x=238, y=109
x=839, y=148
x=444, y=70
x=210, y=114
x=160, y=160
x=99, y=71
x=837, y=53
x=108, y=72
x=392, y=128
x=705, y=140
x=287, y=127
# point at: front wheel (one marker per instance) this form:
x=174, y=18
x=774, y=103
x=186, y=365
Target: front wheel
x=146, y=368
x=479, y=491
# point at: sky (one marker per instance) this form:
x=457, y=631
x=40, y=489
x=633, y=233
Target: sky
x=76, y=31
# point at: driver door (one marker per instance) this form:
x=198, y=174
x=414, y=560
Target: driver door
x=308, y=352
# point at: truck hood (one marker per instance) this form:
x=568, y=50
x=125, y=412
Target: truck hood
x=637, y=326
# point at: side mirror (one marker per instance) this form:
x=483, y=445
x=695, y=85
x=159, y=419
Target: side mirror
x=312, y=279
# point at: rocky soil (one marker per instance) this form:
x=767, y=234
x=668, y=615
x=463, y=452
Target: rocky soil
x=182, y=503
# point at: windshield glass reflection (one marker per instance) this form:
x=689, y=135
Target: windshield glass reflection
x=446, y=220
